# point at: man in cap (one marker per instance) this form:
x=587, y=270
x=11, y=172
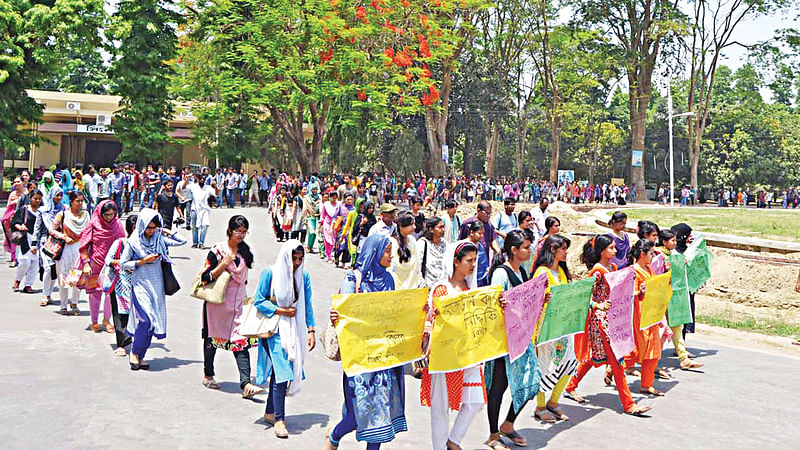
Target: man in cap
x=386, y=225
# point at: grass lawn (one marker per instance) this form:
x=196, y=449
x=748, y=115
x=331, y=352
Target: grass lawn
x=773, y=223
x=746, y=322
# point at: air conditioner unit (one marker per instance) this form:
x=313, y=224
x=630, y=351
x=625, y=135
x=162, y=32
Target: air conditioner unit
x=103, y=119
x=74, y=106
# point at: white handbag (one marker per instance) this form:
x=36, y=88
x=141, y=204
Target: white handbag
x=255, y=324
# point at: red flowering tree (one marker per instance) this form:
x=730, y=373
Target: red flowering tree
x=299, y=59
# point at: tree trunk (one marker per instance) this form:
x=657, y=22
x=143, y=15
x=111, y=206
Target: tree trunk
x=492, y=142
x=435, y=130
x=639, y=101
x=555, y=144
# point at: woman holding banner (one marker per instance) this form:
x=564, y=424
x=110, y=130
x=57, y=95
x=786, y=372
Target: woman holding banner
x=284, y=290
x=374, y=402
x=648, y=342
x=557, y=358
x=463, y=390
x=523, y=375
x=592, y=347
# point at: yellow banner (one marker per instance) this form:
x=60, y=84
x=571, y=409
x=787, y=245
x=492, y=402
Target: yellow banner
x=658, y=293
x=469, y=329
x=380, y=330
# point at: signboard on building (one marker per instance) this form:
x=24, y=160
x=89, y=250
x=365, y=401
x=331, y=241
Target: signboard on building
x=636, y=158
x=94, y=129
x=566, y=176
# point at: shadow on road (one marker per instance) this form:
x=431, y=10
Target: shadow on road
x=161, y=364
x=539, y=437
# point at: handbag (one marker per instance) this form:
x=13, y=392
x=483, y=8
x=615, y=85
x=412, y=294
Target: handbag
x=108, y=276
x=171, y=285
x=255, y=324
x=330, y=341
x=17, y=237
x=213, y=292
x=54, y=247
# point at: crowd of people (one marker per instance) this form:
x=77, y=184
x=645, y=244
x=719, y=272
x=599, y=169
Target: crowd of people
x=75, y=237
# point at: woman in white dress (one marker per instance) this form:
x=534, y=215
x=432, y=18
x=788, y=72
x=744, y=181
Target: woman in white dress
x=68, y=225
x=406, y=263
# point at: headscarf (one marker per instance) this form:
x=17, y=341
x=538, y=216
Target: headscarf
x=49, y=208
x=449, y=262
x=142, y=246
x=66, y=186
x=48, y=181
x=374, y=277
x=101, y=234
x=291, y=329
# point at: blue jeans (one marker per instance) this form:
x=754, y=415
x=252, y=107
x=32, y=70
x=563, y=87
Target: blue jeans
x=276, y=392
x=242, y=197
x=230, y=196
x=198, y=232
x=220, y=197
x=117, y=197
x=151, y=196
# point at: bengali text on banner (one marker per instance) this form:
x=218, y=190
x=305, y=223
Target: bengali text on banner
x=658, y=293
x=620, y=314
x=523, y=307
x=468, y=330
x=567, y=310
x=380, y=330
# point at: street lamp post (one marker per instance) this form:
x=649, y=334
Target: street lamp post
x=671, y=164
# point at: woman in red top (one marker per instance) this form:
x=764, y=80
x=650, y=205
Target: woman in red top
x=592, y=348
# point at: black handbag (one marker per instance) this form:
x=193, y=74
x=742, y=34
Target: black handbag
x=171, y=285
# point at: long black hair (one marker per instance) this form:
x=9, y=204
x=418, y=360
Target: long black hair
x=403, y=252
x=108, y=207
x=682, y=232
x=430, y=224
x=130, y=223
x=646, y=227
x=617, y=217
x=642, y=246
x=514, y=239
x=550, y=221
x=593, y=248
x=243, y=249
x=665, y=235
x=547, y=254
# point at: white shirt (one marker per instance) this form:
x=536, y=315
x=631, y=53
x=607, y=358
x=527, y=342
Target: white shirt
x=382, y=228
x=539, y=217
x=200, y=196
x=91, y=185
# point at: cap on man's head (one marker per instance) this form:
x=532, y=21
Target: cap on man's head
x=388, y=208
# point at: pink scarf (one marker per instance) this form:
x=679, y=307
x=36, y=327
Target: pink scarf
x=238, y=272
x=100, y=234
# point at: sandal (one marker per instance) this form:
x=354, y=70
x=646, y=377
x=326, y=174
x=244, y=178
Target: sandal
x=452, y=445
x=120, y=351
x=15, y=286
x=651, y=391
x=250, y=390
x=689, y=363
x=27, y=290
x=328, y=444
x=559, y=413
x=74, y=310
x=544, y=415
x=109, y=328
x=63, y=312
x=662, y=374
x=144, y=366
x=516, y=438
x=638, y=411
x=633, y=371
x=280, y=430
x=45, y=301
x=96, y=327
x=269, y=419
x=608, y=378
x=210, y=383
x=496, y=444
x=572, y=395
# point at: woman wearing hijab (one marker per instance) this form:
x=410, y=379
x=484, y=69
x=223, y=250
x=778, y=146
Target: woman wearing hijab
x=311, y=203
x=96, y=240
x=66, y=187
x=24, y=220
x=221, y=321
x=48, y=182
x=120, y=291
x=331, y=211
x=69, y=225
x=361, y=227
x=347, y=230
x=298, y=213
x=683, y=237
x=463, y=390
x=374, y=402
x=285, y=289
x=146, y=249
x=51, y=207
x=11, y=207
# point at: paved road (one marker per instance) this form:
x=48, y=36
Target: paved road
x=61, y=386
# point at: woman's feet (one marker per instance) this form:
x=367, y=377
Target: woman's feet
x=574, y=396
x=27, y=290
x=45, y=301
x=556, y=410
x=633, y=371
x=15, y=286
x=250, y=390
x=507, y=430
x=280, y=430
x=73, y=309
x=651, y=391
x=269, y=418
x=544, y=415
x=96, y=327
x=210, y=383
x=638, y=410
x=108, y=327
x=689, y=363
x=452, y=445
x=328, y=444
x=134, y=361
x=495, y=443
x=120, y=351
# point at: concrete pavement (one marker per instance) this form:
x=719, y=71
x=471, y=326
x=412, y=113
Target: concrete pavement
x=61, y=386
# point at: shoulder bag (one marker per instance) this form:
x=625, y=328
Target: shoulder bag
x=171, y=285
x=330, y=341
x=255, y=324
x=54, y=247
x=213, y=292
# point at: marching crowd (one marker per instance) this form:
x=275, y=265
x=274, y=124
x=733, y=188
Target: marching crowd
x=67, y=229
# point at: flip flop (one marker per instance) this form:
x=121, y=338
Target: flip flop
x=652, y=391
x=663, y=374
x=211, y=384
x=559, y=413
x=516, y=438
x=495, y=444
x=250, y=390
x=572, y=395
x=545, y=416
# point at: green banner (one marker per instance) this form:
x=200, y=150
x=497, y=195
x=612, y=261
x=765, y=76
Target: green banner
x=567, y=310
x=700, y=260
x=679, y=311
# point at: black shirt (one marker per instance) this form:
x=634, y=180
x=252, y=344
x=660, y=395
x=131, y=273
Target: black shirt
x=166, y=207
